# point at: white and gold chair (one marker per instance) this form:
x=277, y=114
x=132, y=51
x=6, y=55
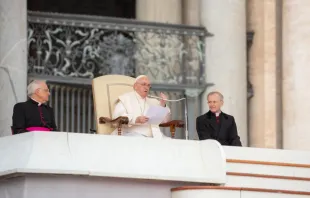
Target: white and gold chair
x=106, y=90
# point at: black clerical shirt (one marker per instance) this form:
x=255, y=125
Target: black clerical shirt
x=224, y=130
x=30, y=114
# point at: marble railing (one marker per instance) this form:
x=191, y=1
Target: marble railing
x=113, y=156
x=62, y=165
x=59, y=164
x=258, y=172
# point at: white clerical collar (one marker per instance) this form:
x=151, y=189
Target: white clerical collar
x=139, y=97
x=217, y=113
x=39, y=103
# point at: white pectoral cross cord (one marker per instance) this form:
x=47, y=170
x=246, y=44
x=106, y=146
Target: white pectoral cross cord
x=141, y=106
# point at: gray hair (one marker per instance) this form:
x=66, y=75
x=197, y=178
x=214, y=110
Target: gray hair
x=139, y=77
x=218, y=93
x=33, y=86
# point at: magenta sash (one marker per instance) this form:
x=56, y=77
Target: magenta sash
x=43, y=129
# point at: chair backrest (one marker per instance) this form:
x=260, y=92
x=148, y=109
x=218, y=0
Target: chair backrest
x=106, y=90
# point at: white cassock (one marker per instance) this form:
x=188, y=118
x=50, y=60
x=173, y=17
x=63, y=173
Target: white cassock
x=132, y=105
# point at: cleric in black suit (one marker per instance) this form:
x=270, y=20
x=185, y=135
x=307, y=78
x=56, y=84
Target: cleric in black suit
x=217, y=125
x=34, y=114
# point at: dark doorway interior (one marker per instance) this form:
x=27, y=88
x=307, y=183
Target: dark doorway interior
x=110, y=8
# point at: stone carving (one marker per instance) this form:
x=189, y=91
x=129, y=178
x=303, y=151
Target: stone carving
x=61, y=46
x=78, y=52
x=193, y=93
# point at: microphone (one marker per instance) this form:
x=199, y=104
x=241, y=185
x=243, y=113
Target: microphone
x=185, y=110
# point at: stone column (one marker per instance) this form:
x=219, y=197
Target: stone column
x=191, y=60
x=191, y=16
x=191, y=12
x=264, y=19
x=158, y=55
x=226, y=57
x=296, y=74
x=13, y=59
x=193, y=111
x=159, y=11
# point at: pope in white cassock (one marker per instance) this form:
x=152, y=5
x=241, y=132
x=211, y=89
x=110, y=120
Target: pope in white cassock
x=134, y=105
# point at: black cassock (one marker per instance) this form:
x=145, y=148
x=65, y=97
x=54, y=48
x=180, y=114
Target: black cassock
x=225, y=131
x=30, y=114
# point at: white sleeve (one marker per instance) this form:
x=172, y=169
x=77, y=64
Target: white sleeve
x=120, y=110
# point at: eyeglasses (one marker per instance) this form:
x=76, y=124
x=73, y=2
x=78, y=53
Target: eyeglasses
x=45, y=90
x=145, y=85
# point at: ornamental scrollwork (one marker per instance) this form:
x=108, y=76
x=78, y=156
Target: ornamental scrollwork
x=75, y=48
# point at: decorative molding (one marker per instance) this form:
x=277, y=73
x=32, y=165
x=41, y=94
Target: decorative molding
x=268, y=176
x=240, y=189
x=82, y=46
x=193, y=93
x=110, y=23
x=267, y=163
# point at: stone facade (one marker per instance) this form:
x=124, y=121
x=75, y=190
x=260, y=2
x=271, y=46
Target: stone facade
x=296, y=74
x=13, y=59
x=275, y=117
x=265, y=73
x=226, y=57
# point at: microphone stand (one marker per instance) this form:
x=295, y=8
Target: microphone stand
x=185, y=111
x=186, y=128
